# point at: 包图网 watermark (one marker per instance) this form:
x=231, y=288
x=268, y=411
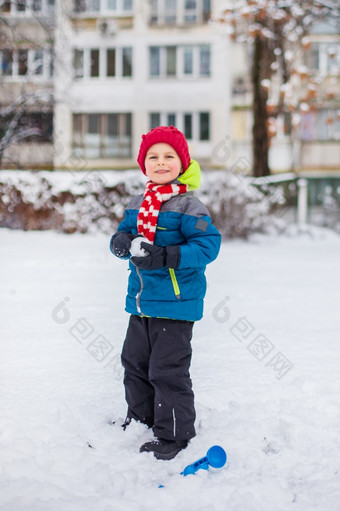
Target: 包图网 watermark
x=256, y=343
x=99, y=347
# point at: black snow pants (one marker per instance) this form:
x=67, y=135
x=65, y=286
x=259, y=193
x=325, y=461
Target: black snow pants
x=156, y=357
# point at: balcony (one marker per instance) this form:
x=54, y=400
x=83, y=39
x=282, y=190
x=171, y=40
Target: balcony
x=27, y=10
x=90, y=9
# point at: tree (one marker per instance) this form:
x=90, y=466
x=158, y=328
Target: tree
x=276, y=32
x=17, y=124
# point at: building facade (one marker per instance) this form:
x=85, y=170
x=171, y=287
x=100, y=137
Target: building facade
x=26, y=83
x=81, y=80
x=320, y=127
x=315, y=144
x=130, y=65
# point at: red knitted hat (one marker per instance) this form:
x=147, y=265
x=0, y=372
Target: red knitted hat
x=169, y=135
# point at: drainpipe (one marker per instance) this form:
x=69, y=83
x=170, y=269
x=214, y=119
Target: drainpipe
x=302, y=202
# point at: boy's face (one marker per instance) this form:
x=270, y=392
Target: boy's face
x=162, y=164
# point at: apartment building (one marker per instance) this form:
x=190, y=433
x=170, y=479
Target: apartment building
x=26, y=83
x=316, y=141
x=125, y=66
x=83, y=79
x=320, y=127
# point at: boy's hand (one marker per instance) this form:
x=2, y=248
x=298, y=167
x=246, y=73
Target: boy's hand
x=158, y=257
x=120, y=243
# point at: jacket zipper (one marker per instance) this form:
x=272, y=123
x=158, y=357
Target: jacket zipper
x=175, y=283
x=139, y=310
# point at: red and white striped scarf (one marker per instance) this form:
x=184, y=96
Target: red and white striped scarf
x=154, y=195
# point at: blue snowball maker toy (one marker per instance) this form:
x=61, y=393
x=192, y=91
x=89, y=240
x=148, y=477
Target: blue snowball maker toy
x=216, y=457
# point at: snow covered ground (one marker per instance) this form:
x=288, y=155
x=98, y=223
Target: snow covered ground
x=265, y=372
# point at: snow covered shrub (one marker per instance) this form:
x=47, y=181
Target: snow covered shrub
x=328, y=213
x=95, y=201
x=25, y=202
x=65, y=201
x=238, y=208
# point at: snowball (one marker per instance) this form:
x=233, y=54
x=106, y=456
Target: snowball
x=136, y=249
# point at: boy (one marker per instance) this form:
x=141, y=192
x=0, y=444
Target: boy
x=166, y=289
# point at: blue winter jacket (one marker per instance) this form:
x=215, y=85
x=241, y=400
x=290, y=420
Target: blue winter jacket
x=173, y=293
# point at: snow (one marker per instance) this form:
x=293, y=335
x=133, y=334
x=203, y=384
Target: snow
x=136, y=249
x=62, y=328
x=95, y=201
x=29, y=182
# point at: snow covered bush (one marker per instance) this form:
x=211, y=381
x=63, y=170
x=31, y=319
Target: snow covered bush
x=238, y=208
x=95, y=201
x=328, y=213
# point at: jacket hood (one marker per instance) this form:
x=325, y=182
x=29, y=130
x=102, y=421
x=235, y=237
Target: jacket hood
x=192, y=176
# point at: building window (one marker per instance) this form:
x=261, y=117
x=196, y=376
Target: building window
x=35, y=64
x=127, y=61
x=37, y=5
x=118, y=62
x=6, y=7
x=190, y=11
x=170, y=11
x=171, y=121
x=38, y=62
x=322, y=125
x=188, y=60
x=25, y=7
x=50, y=62
x=155, y=120
x=111, y=62
x=22, y=62
x=92, y=136
x=195, y=125
x=77, y=133
x=171, y=60
x=324, y=58
x=96, y=6
x=44, y=123
x=127, y=5
x=154, y=12
x=312, y=57
x=78, y=63
x=118, y=138
x=164, y=61
x=155, y=61
x=21, y=5
x=86, y=5
x=102, y=135
x=94, y=63
x=188, y=126
x=180, y=12
x=7, y=63
x=93, y=5
x=206, y=10
x=204, y=119
x=79, y=6
x=204, y=52
x=40, y=123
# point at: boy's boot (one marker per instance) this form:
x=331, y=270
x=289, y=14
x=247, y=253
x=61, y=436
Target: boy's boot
x=164, y=449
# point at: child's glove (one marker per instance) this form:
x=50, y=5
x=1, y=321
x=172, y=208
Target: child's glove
x=158, y=257
x=120, y=243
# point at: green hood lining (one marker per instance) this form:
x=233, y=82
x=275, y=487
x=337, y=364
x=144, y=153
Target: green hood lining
x=192, y=176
